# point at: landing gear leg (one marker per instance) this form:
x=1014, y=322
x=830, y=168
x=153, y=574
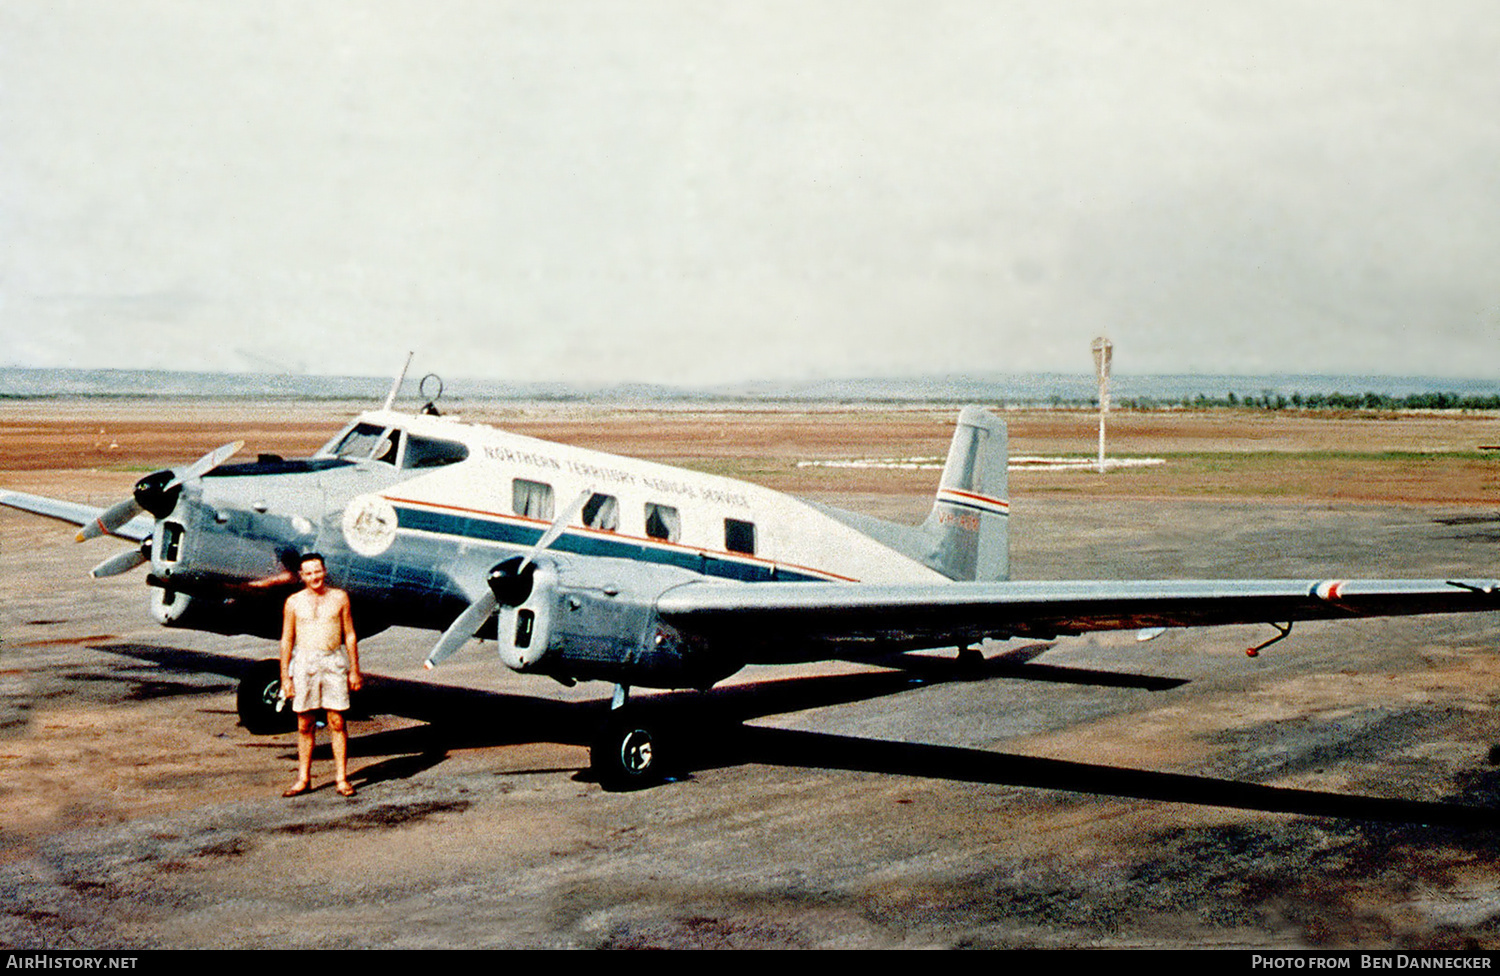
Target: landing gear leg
x=626, y=755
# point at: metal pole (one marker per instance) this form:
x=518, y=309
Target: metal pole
x=1101, y=440
x=1103, y=353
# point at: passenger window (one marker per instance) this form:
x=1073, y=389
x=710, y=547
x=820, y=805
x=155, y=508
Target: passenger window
x=428, y=452
x=739, y=536
x=602, y=512
x=663, y=522
x=531, y=499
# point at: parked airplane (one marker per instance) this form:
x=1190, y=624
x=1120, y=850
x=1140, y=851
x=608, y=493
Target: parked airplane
x=582, y=565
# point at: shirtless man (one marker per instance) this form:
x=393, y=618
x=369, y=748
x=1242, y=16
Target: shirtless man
x=319, y=667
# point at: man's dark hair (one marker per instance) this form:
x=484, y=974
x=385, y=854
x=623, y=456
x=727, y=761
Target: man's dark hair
x=309, y=557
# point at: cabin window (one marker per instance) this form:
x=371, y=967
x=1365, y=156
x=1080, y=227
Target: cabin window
x=739, y=536
x=531, y=499
x=366, y=441
x=663, y=522
x=602, y=512
x=429, y=452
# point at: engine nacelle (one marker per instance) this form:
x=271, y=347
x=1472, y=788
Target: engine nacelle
x=604, y=626
x=216, y=615
x=171, y=607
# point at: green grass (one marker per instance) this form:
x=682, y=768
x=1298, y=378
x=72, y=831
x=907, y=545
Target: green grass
x=133, y=468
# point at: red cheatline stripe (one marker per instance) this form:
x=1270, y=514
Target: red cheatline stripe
x=971, y=496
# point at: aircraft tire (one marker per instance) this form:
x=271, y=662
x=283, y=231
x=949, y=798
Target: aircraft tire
x=626, y=755
x=256, y=700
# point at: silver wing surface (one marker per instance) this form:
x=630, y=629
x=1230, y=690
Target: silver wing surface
x=777, y=622
x=137, y=529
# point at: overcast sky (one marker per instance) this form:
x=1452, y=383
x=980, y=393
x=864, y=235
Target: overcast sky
x=699, y=192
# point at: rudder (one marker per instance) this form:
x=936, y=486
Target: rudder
x=968, y=525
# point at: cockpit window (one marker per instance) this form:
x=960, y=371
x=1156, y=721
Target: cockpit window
x=429, y=452
x=361, y=443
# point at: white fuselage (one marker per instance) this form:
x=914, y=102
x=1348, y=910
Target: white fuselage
x=660, y=513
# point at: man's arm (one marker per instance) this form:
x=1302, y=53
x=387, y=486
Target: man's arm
x=351, y=644
x=283, y=578
x=288, y=641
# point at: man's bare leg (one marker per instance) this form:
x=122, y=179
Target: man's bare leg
x=306, y=728
x=339, y=737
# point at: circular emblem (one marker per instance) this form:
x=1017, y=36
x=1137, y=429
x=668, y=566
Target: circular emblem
x=369, y=525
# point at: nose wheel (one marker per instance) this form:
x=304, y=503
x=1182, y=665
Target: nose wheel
x=256, y=700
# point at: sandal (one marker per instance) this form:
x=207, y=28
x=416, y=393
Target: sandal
x=297, y=789
x=345, y=789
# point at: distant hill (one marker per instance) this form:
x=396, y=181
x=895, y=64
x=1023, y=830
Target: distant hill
x=1015, y=389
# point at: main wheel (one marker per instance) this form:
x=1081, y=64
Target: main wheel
x=259, y=692
x=626, y=755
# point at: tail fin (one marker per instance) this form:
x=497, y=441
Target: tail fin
x=968, y=525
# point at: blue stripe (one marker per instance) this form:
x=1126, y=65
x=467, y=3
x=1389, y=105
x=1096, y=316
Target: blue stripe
x=514, y=534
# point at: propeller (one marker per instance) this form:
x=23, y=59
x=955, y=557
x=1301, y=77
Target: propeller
x=510, y=581
x=155, y=493
x=123, y=562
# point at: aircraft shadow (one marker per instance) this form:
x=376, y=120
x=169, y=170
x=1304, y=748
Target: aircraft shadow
x=1017, y=664
x=821, y=750
x=711, y=733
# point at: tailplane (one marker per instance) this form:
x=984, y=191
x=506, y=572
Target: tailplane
x=968, y=524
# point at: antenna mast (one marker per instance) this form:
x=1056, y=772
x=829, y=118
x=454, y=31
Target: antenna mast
x=390, y=397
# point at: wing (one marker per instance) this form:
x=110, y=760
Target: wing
x=776, y=622
x=137, y=529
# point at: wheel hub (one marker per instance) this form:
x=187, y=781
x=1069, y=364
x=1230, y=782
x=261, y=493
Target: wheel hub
x=635, y=751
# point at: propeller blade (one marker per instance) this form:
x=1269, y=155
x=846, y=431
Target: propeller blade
x=110, y=519
x=123, y=511
x=122, y=562
x=205, y=464
x=462, y=630
x=556, y=528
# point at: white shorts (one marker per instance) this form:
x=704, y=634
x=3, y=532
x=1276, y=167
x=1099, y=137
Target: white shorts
x=320, y=681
